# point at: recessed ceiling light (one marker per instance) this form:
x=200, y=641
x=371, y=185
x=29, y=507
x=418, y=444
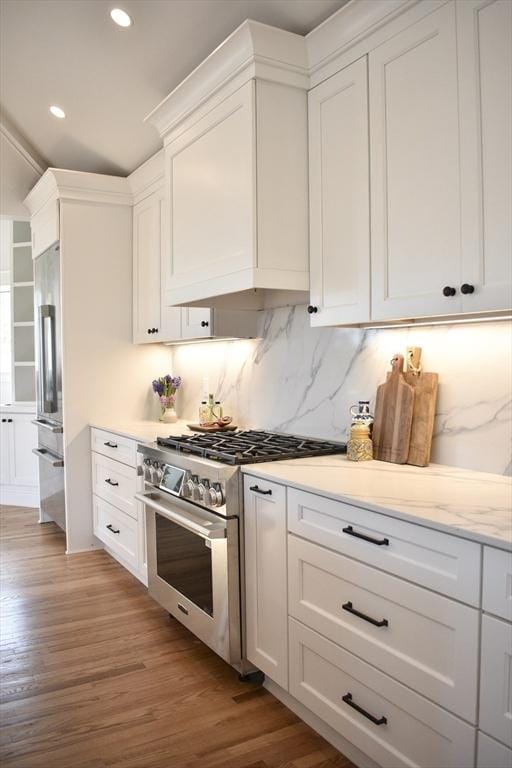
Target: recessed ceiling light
x=57, y=112
x=120, y=17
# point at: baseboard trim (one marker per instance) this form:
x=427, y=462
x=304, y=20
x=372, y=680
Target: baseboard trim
x=329, y=734
x=19, y=497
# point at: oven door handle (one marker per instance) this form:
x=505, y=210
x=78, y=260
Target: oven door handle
x=49, y=457
x=191, y=523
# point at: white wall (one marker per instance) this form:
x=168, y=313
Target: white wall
x=105, y=376
x=303, y=380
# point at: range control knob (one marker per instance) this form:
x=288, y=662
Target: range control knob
x=203, y=490
x=217, y=495
x=194, y=483
x=156, y=474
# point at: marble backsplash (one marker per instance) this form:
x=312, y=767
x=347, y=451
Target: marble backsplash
x=303, y=380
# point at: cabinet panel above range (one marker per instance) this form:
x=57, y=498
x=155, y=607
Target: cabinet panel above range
x=236, y=176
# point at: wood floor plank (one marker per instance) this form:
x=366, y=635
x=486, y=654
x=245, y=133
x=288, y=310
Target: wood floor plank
x=96, y=675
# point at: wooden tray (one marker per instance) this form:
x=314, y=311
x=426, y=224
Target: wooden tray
x=214, y=428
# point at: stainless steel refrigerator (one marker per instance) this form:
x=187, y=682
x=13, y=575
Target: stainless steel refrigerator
x=49, y=419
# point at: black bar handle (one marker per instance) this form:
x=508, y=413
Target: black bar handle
x=110, y=445
x=348, y=607
x=111, y=482
x=347, y=698
x=114, y=530
x=256, y=489
x=351, y=532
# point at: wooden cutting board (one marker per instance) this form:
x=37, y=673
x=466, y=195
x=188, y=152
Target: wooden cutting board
x=394, y=407
x=425, y=397
x=215, y=428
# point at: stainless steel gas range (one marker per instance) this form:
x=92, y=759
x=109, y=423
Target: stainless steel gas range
x=194, y=525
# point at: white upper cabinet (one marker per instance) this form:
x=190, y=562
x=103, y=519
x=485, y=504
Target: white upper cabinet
x=439, y=110
x=485, y=72
x=150, y=324
x=339, y=198
x=236, y=195
x=152, y=320
x=415, y=189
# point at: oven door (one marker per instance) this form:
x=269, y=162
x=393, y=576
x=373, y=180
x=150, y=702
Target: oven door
x=193, y=570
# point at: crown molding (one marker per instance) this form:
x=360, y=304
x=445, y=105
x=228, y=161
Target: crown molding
x=78, y=186
x=252, y=50
x=21, y=145
x=148, y=177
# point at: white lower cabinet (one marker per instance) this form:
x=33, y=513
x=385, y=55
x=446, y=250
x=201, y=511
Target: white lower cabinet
x=19, y=477
x=119, y=520
x=492, y=754
x=387, y=721
x=117, y=531
x=426, y=641
x=362, y=635
x=266, y=578
x=496, y=679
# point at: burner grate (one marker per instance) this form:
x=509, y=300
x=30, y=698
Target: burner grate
x=251, y=446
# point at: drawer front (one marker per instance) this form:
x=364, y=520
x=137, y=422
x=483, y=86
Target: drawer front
x=435, y=560
x=496, y=679
x=497, y=582
x=422, y=639
x=117, y=530
x=115, y=482
x=115, y=447
x=492, y=754
x=416, y=731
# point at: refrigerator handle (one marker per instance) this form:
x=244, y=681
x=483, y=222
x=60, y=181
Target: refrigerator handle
x=48, y=379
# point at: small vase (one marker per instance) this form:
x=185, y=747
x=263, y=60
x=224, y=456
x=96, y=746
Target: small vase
x=168, y=415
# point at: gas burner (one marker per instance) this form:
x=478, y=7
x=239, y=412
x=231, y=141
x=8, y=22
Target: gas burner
x=251, y=446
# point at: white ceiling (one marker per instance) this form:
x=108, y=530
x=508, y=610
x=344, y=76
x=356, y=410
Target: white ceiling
x=107, y=79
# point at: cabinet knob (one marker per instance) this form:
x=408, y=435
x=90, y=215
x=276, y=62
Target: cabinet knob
x=449, y=291
x=467, y=288
x=312, y=310
x=155, y=330
x=4, y=421
x=204, y=323
x=9, y=421
x=149, y=330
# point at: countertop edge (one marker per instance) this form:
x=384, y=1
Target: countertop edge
x=409, y=517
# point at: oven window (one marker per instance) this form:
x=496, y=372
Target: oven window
x=185, y=562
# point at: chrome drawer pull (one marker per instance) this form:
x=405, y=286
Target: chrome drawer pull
x=347, y=698
x=256, y=489
x=110, y=445
x=182, y=609
x=351, y=532
x=348, y=607
x=111, y=482
x=111, y=528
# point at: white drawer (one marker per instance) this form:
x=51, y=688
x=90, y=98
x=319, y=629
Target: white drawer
x=417, y=732
x=492, y=754
x=496, y=679
x=429, y=643
x=117, y=530
x=116, y=447
x=115, y=482
x=441, y=562
x=497, y=589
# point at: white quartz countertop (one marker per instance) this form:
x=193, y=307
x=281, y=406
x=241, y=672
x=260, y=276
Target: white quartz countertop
x=474, y=505
x=144, y=431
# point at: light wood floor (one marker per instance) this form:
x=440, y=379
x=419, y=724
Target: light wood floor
x=95, y=674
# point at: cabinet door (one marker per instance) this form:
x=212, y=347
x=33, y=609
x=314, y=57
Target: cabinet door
x=339, y=197
x=196, y=323
x=485, y=67
x=147, y=250
x=5, y=451
x=492, y=754
x=496, y=679
x=414, y=151
x=24, y=470
x=210, y=196
x=265, y=573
